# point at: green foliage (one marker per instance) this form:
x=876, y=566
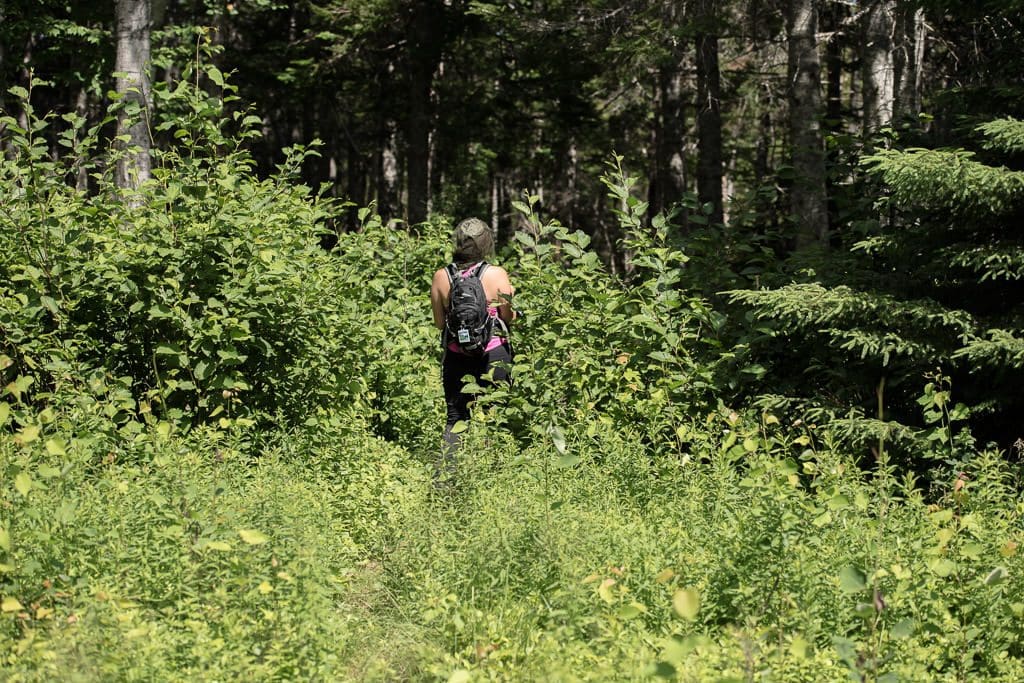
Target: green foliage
x=208, y=290
x=932, y=281
x=1004, y=135
x=611, y=518
x=756, y=547
x=947, y=180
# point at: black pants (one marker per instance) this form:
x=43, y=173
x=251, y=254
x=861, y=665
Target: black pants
x=454, y=367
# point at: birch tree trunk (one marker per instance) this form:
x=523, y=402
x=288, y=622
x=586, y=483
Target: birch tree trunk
x=808, y=198
x=709, y=116
x=132, y=20
x=879, y=67
x=911, y=62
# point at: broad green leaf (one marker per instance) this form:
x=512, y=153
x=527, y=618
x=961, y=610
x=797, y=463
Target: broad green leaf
x=47, y=471
x=215, y=75
x=252, y=536
x=942, y=567
x=5, y=539
x=664, y=575
x=566, y=461
x=20, y=385
x=5, y=413
x=23, y=483
x=55, y=447
x=459, y=676
x=686, y=603
x=631, y=611
x=851, y=579
x=904, y=628
x=222, y=546
x=27, y=435
x=839, y=502
x=10, y=604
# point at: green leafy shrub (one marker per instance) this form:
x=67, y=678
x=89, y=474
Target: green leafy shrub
x=207, y=289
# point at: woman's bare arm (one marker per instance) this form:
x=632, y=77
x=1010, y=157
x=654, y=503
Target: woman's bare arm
x=503, y=289
x=439, y=289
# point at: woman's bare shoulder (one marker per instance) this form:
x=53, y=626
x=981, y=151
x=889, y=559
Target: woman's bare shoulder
x=497, y=271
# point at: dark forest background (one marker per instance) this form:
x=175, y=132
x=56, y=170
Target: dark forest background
x=845, y=177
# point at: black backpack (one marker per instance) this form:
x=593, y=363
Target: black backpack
x=469, y=324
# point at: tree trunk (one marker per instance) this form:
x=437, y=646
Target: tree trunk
x=709, y=117
x=669, y=182
x=879, y=68
x=425, y=47
x=808, y=198
x=911, y=63
x=834, y=68
x=132, y=83
x=387, y=173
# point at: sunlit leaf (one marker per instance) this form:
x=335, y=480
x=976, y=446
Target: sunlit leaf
x=664, y=575
x=23, y=483
x=631, y=611
x=55, y=447
x=942, y=567
x=851, y=579
x=686, y=603
x=27, y=435
x=252, y=536
x=10, y=604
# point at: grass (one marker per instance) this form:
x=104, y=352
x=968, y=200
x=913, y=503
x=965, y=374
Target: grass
x=330, y=555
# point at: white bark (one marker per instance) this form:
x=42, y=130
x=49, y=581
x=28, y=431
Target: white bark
x=132, y=22
x=879, y=73
x=808, y=195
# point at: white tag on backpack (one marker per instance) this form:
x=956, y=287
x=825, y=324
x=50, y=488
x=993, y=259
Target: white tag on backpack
x=463, y=336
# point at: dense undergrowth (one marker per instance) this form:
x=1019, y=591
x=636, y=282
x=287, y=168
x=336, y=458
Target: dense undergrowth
x=218, y=442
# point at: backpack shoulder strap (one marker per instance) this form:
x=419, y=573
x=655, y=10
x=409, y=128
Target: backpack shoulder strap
x=452, y=271
x=480, y=268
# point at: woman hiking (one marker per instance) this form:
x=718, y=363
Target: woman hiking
x=476, y=347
